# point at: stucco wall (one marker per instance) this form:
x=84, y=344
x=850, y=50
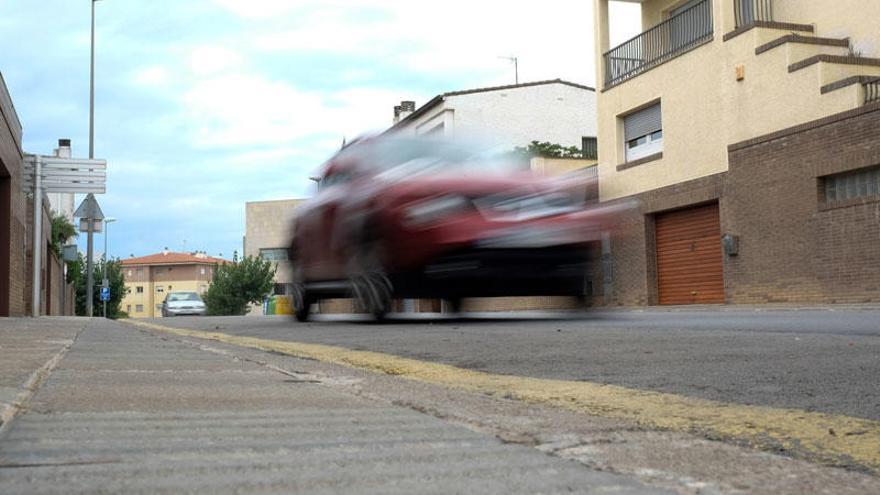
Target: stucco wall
x=705, y=108
x=858, y=20
x=554, y=112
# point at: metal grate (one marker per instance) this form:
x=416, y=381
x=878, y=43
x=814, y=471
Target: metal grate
x=665, y=41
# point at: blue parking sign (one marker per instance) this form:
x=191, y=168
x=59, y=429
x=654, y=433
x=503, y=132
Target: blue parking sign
x=105, y=293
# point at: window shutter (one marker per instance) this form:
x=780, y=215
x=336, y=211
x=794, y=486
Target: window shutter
x=643, y=122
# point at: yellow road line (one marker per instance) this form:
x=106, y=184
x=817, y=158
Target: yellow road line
x=826, y=438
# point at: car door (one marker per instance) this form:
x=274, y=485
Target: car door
x=325, y=253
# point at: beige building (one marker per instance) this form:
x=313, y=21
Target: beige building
x=738, y=123
x=268, y=232
x=149, y=278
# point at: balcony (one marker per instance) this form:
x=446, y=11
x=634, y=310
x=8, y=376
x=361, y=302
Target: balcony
x=748, y=12
x=679, y=34
x=872, y=91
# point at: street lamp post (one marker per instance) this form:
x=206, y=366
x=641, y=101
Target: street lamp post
x=92, y=90
x=104, y=281
x=90, y=282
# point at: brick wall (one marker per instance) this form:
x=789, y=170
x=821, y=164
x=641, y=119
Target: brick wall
x=793, y=248
x=13, y=270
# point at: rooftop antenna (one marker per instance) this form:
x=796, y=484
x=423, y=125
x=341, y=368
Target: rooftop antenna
x=515, y=61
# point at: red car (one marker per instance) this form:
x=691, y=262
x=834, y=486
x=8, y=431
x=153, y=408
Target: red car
x=417, y=218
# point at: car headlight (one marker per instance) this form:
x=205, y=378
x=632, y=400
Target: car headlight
x=435, y=209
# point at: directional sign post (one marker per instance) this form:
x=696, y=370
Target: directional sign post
x=90, y=212
x=52, y=174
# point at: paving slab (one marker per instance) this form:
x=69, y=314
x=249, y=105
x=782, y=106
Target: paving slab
x=127, y=411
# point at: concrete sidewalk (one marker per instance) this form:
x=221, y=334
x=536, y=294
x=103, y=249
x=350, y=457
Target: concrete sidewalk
x=127, y=411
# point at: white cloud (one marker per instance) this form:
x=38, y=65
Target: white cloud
x=151, y=76
x=211, y=59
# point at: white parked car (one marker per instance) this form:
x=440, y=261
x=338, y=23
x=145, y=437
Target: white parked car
x=183, y=303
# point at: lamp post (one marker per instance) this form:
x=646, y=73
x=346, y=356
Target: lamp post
x=90, y=283
x=92, y=90
x=104, y=281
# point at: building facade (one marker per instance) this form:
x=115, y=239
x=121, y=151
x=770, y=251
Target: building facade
x=148, y=279
x=554, y=111
x=268, y=234
x=750, y=132
x=16, y=231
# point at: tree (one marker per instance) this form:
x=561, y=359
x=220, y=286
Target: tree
x=235, y=285
x=549, y=150
x=77, y=274
x=62, y=230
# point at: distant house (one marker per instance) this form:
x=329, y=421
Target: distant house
x=149, y=278
x=555, y=111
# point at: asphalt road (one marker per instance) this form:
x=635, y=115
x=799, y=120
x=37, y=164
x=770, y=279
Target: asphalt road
x=813, y=360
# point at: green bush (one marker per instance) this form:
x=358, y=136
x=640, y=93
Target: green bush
x=237, y=284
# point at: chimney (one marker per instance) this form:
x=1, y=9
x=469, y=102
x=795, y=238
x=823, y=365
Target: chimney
x=63, y=150
x=407, y=108
x=396, y=114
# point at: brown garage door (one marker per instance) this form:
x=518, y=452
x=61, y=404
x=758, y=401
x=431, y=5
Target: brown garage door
x=689, y=259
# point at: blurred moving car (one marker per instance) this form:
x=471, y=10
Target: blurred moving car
x=183, y=303
x=422, y=218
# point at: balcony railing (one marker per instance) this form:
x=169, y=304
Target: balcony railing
x=659, y=44
x=749, y=11
x=872, y=91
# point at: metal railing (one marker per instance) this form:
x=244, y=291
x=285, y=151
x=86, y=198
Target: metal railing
x=749, y=11
x=872, y=91
x=659, y=44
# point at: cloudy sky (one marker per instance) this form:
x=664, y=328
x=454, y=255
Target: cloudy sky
x=202, y=105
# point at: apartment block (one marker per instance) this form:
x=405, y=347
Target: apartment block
x=750, y=132
x=148, y=279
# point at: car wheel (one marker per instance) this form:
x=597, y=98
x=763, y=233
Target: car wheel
x=371, y=288
x=300, y=299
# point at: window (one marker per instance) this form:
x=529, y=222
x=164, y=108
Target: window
x=129, y=273
x=202, y=269
x=589, y=148
x=139, y=289
x=128, y=308
x=643, y=133
x=139, y=308
x=863, y=183
x=274, y=254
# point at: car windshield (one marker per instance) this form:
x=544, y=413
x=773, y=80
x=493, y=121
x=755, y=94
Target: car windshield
x=183, y=296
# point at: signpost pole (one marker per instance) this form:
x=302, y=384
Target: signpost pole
x=38, y=238
x=90, y=276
